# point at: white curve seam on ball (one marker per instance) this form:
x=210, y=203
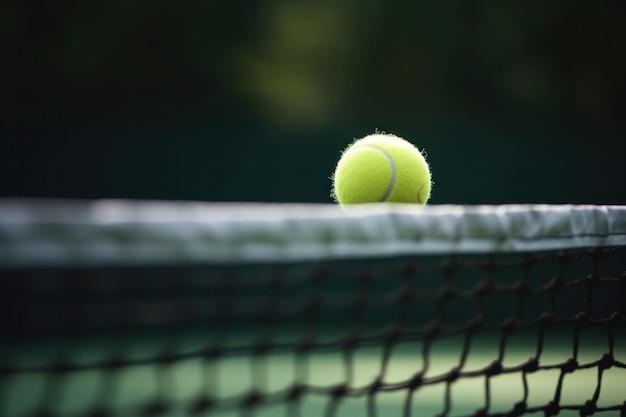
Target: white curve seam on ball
x=392, y=165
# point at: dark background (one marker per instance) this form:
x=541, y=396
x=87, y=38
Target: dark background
x=514, y=101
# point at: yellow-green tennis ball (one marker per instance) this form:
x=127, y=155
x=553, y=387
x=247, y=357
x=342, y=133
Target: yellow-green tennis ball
x=382, y=168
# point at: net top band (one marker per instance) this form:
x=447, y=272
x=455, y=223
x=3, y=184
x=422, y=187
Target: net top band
x=37, y=232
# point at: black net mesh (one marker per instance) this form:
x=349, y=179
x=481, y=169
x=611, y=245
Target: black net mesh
x=488, y=335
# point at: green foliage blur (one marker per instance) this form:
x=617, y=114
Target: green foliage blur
x=519, y=101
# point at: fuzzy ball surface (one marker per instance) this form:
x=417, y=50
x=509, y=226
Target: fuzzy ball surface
x=382, y=168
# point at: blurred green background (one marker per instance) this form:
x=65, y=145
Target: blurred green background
x=517, y=101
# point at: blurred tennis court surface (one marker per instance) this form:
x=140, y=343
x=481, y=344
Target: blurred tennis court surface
x=140, y=308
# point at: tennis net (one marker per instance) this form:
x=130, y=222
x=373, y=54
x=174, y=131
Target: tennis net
x=124, y=308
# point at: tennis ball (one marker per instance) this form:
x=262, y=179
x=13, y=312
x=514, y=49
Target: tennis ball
x=381, y=168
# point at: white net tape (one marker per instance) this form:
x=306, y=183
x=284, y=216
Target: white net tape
x=62, y=232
